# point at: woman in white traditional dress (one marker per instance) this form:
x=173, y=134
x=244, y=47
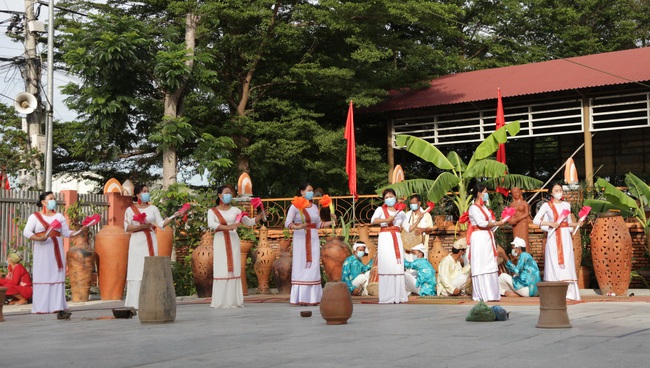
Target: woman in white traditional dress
x=224, y=219
x=559, y=263
x=305, y=272
x=482, y=248
x=390, y=252
x=49, y=259
x=140, y=220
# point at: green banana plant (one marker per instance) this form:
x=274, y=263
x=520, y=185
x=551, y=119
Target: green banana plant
x=633, y=204
x=458, y=175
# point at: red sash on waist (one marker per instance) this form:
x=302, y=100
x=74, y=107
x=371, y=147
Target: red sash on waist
x=473, y=228
x=308, y=230
x=54, y=235
x=147, y=233
x=393, y=232
x=558, y=235
x=226, y=239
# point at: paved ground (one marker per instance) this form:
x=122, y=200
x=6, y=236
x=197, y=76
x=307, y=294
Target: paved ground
x=267, y=334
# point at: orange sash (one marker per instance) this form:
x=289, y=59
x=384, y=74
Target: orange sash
x=308, y=230
x=393, y=232
x=558, y=235
x=147, y=232
x=54, y=235
x=226, y=239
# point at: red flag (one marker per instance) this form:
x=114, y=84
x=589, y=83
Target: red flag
x=501, y=152
x=4, y=181
x=351, y=155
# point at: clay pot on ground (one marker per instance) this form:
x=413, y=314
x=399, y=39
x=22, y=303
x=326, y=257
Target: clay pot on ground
x=80, y=261
x=611, y=253
x=245, y=247
x=336, y=303
x=203, y=266
x=264, y=257
x=437, y=253
x=112, y=249
x=282, y=268
x=165, y=237
x=333, y=253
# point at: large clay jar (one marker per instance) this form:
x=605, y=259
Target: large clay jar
x=282, y=268
x=245, y=247
x=333, y=253
x=165, y=237
x=80, y=261
x=157, y=296
x=264, y=257
x=112, y=249
x=437, y=253
x=577, y=245
x=611, y=253
x=203, y=266
x=336, y=303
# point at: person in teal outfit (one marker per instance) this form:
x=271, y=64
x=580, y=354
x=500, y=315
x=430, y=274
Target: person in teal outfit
x=526, y=273
x=425, y=284
x=355, y=273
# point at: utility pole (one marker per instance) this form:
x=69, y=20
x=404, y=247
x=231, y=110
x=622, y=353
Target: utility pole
x=33, y=83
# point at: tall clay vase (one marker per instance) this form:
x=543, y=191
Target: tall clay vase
x=203, y=266
x=336, y=303
x=437, y=253
x=611, y=253
x=165, y=237
x=112, y=249
x=157, y=296
x=577, y=246
x=245, y=247
x=333, y=253
x=263, y=262
x=282, y=268
x=80, y=261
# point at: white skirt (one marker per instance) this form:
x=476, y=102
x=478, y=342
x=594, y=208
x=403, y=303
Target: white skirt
x=486, y=287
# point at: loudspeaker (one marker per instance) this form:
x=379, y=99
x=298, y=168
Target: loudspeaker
x=25, y=103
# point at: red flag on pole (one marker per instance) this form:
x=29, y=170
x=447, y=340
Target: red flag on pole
x=4, y=181
x=501, y=152
x=351, y=154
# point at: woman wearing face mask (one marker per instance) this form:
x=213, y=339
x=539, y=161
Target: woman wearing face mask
x=227, y=289
x=49, y=258
x=559, y=264
x=483, y=250
x=305, y=272
x=143, y=241
x=390, y=252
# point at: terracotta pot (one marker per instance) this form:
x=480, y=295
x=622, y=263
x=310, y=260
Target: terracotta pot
x=112, y=249
x=157, y=296
x=333, y=254
x=439, y=220
x=80, y=261
x=577, y=246
x=336, y=304
x=165, y=237
x=611, y=253
x=552, y=305
x=282, y=268
x=203, y=266
x=437, y=253
x=584, y=277
x=245, y=247
x=264, y=257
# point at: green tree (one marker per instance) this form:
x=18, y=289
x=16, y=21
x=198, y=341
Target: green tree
x=16, y=154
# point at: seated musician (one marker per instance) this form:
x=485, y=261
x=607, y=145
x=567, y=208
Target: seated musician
x=425, y=283
x=355, y=273
x=526, y=273
x=453, y=278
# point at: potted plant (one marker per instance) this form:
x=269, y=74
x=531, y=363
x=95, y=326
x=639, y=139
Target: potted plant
x=285, y=240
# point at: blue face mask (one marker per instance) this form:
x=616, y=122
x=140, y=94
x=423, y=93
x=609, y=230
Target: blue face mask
x=390, y=201
x=361, y=253
x=145, y=197
x=227, y=198
x=51, y=205
x=414, y=206
x=486, y=197
x=309, y=195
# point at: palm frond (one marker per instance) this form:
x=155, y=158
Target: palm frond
x=444, y=183
x=514, y=180
x=459, y=165
x=424, y=150
x=600, y=206
x=619, y=200
x=486, y=169
x=491, y=143
x=408, y=187
x=638, y=188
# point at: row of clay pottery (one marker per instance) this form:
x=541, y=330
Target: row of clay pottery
x=203, y=266
x=437, y=253
x=282, y=268
x=157, y=303
x=264, y=261
x=333, y=253
x=80, y=260
x=611, y=253
x=336, y=303
x=112, y=249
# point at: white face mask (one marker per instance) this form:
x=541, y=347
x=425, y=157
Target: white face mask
x=558, y=196
x=361, y=253
x=514, y=252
